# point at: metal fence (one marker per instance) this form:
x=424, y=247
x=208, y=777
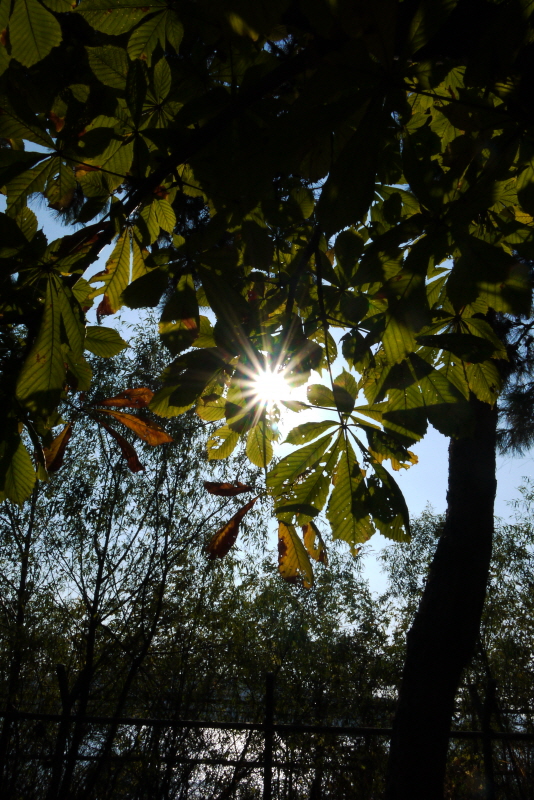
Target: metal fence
x=269, y=728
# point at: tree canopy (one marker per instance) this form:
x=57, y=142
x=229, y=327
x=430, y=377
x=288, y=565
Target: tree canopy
x=268, y=172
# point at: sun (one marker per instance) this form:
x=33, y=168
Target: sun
x=270, y=387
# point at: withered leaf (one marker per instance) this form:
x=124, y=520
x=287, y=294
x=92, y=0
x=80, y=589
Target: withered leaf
x=310, y=535
x=130, y=398
x=104, y=308
x=227, y=489
x=54, y=454
x=148, y=431
x=127, y=450
x=220, y=544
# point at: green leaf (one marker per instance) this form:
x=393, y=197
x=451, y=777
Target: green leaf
x=159, y=28
x=398, y=339
x=41, y=379
x=464, y=345
x=525, y=188
x=146, y=291
x=180, y=322
x=79, y=372
x=427, y=20
x=390, y=512
x=162, y=405
x=116, y=275
x=308, y=497
x=295, y=405
x=103, y=342
x=320, y=395
x=17, y=474
x=115, y=16
x=222, y=443
x=308, y=431
x=211, y=407
x=259, y=445
x=484, y=381
x=165, y=216
x=14, y=162
x=28, y=183
x=349, y=504
x=349, y=189
x=295, y=464
x=33, y=32
x=13, y=126
x=162, y=80
x=109, y=64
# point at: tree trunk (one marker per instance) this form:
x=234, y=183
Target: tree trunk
x=443, y=636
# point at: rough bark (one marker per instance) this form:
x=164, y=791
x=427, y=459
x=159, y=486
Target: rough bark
x=443, y=636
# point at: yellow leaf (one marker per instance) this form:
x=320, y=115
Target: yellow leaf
x=311, y=533
x=294, y=564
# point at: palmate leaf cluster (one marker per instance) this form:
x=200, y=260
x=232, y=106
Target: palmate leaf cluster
x=267, y=172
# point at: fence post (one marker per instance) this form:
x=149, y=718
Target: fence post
x=268, y=727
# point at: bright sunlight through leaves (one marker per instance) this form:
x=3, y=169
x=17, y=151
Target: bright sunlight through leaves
x=270, y=387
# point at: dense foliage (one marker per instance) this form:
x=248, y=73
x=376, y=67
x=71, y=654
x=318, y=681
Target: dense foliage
x=293, y=167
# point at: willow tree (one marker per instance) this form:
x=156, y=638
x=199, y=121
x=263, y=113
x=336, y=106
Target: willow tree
x=295, y=167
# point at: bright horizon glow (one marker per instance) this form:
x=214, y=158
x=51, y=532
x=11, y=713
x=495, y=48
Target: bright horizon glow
x=270, y=387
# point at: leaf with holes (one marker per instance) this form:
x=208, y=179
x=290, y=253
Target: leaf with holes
x=312, y=535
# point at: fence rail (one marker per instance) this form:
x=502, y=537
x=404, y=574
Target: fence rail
x=268, y=727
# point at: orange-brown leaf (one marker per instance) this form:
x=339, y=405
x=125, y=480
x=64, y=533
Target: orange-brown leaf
x=57, y=122
x=310, y=535
x=127, y=450
x=54, y=454
x=148, y=431
x=105, y=308
x=227, y=489
x=129, y=398
x=220, y=544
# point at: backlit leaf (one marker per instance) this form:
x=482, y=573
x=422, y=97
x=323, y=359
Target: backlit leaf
x=129, y=398
x=227, y=489
x=348, y=509
x=308, y=431
x=293, y=561
x=116, y=276
x=150, y=432
x=41, y=379
x=103, y=342
x=33, y=32
x=225, y=538
x=109, y=64
x=259, y=445
x=312, y=535
x=127, y=450
x=295, y=464
x=54, y=454
x=222, y=443
x=17, y=475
